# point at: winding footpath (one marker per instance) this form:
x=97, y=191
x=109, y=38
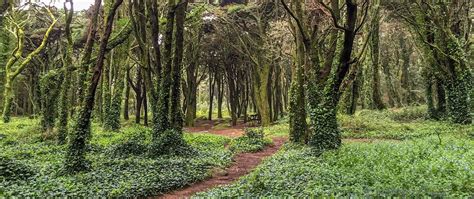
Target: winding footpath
x=242, y=165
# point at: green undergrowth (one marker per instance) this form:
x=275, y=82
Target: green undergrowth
x=412, y=168
x=405, y=123
x=254, y=140
x=32, y=167
x=399, y=124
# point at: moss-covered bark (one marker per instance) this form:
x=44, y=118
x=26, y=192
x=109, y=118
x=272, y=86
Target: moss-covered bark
x=12, y=72
x=261, y=93
x=50, y=87
x=297, y=105
x=375, y=52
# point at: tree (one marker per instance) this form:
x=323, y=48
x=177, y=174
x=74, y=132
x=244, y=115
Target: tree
x=75, y=156
x=375, y=52
x=444, y=39
x=324, y=92
x=12, y=71
x=68, y=64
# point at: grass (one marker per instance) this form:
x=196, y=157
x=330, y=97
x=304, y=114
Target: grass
x=431, y=159
x=115, y=172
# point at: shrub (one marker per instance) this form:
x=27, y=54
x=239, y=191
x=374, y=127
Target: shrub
x=252, y=141
x=170, y=142
x=254, y=133
x=408, y=114
x=132, y=146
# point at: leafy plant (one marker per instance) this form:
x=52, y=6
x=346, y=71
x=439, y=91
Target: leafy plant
x=252, y=141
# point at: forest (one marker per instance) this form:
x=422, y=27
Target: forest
x=236, y=98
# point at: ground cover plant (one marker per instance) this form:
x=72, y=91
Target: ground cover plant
x=121, y=167
x=146, y=98
x=427, y=164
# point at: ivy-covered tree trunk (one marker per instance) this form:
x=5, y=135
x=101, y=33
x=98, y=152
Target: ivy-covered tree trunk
x=75, y=155
x=106, y=97
x=393, y=99
x=325, y=130
x=112, y=119
x=176, y=114
x=163, y=123
x=441, y=98
x=297, y=104
x=88, y=48
x=325, y=133
x=50, y=86
x=405, y=75
x=458, y=104
x=63, y=105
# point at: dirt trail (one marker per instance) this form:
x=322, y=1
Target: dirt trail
x=209, y=127
x=243, y=163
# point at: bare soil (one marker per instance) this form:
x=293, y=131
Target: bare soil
x=217, y=128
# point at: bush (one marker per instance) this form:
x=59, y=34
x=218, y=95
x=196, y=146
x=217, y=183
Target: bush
x=252, y=141
x=409, y=114
x=132, y=146
x=170, y=142
x=12, y=170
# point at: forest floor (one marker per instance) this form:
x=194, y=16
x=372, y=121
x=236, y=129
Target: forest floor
x=217, y=128
x=394, y=153
x=388, y=153
x=243, y=163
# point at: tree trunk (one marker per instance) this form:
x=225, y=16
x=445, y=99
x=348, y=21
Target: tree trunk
x=176, y=113
x=375, y=51
x=127, y=97
x=68, y=63
x=261, y=93
x=75, y=156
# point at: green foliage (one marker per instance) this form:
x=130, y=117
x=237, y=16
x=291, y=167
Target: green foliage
x=324, y=127
x=252, y=141
x=50, y=88
x=12, y=170
x=170, y=142
x=134, y=145
x=408, y=169
x=408, y=114
x=297, y=111
x=129, y=173
x=390, y=124
x=458, y=98
x=387, y=124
